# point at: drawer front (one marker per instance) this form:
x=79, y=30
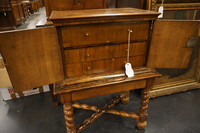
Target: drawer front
x=95, y=34
x=101, y=66
x=103, y=52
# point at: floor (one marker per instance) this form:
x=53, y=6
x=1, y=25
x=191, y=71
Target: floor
x=178, y=113
x=33, y=19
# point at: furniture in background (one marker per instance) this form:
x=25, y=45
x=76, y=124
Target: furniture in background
x=141, y=4
x=187, y=78
x=60, y=5
x=14, y=12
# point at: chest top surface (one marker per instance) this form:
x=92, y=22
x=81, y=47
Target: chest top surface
x=60, y=18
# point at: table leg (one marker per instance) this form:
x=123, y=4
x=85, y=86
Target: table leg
x=142, y=122
x=126, y=97
x=69, y=120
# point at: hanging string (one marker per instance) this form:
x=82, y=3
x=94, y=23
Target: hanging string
x=162, y=2
x=129, y=40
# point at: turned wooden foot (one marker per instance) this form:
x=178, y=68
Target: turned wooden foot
x=141, y=125
x=142, y=122
x=126, y=97
x=69, y=120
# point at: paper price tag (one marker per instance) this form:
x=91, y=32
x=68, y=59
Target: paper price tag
x=161, y=10
x=129, y=70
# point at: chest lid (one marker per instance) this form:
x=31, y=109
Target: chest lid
x=74, y=17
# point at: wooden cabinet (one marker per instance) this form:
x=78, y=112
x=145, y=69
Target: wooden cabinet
x=6, y=20
x=11, y=14
x=25, y=7
x=184, y=15
x=18, y=14
x=90, y=48
x=60, y=5
x=86, y=44
x=95, y=39
x=86, y=53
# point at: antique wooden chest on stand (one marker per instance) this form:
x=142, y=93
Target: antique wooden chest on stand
x=84, y=56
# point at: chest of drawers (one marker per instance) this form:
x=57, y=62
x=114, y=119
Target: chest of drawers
x=94, y=43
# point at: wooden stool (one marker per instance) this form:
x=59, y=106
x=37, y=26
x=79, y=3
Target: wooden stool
x=74, y=89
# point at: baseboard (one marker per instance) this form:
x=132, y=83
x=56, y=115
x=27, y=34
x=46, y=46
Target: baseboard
x=167, y=89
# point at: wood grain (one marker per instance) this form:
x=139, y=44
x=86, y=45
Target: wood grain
x=169, y=40
x=69, y=119
x=62, y=18
x=108, y=89
x=142, y=122
x=93, y=34
x=91, y=81
x=102, y=66
x=32, y=57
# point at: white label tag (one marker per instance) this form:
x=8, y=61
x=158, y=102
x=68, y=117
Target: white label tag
x=161, y=10
x=128, y=70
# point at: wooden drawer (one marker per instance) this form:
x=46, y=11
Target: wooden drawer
x=101, y=66
x=103, y=52
x=98, y=34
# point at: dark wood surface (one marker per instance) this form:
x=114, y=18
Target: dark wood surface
x=32, y=57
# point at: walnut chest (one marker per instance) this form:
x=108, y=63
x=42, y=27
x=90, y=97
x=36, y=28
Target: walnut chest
x=95, y=41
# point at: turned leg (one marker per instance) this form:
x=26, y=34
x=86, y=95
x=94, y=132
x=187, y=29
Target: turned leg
x=142, y=122
x=69, y=120
x=126, y=97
